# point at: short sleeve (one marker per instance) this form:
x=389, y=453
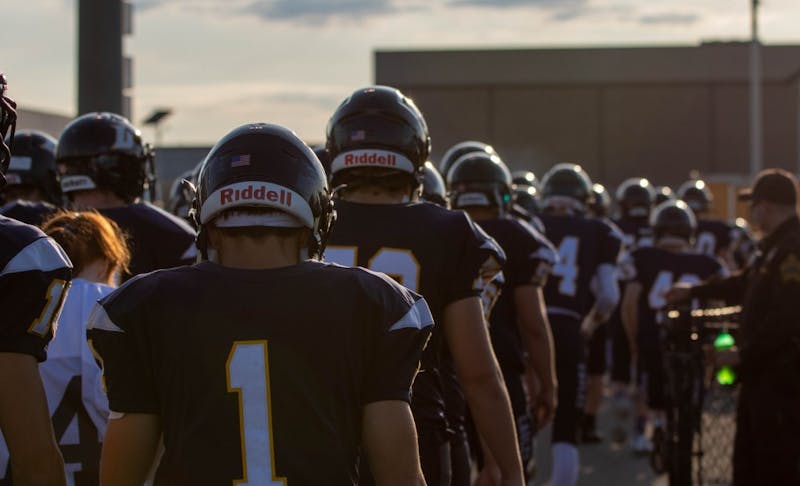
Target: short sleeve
x=476, y=262
x=398, y=329
x=118, y=335
x=535, y=261
x=610, y=246
x=33, y=286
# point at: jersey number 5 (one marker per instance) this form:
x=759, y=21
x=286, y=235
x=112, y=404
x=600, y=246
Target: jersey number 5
x=248, y=376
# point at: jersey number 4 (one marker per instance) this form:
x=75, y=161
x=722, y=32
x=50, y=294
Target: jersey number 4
x=663, y=282
x=248, y=376
x=567, y=267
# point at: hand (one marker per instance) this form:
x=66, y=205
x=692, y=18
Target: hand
x=589, y=324
x=678, y=293
x=544, y=406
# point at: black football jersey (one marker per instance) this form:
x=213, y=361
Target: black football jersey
x=34, y=279
x=638, y=232
x=156, y=238
x=529, y=261
x=441, y=254
x=259, y=374
x=657, y=270
x=583, y=244
x=714, y=236
x=29, y=212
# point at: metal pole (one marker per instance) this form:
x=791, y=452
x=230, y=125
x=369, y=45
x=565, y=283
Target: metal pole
x=756, y=151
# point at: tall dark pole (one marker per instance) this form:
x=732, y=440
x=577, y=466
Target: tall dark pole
x=756, y=137
x=100, y=80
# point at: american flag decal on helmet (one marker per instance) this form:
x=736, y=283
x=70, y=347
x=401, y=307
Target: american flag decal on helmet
x=240, y=160
x=358, y=136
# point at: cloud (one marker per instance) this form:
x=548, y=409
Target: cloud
x=319, y=11
x=669, y=19
x=548, y=4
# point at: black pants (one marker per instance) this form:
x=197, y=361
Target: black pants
x=767, y=448
x=571, y=374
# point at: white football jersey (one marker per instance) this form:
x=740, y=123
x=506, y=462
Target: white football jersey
x=73, y=383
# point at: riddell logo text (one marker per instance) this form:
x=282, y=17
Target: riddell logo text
x=259, y=193
x=370, y=159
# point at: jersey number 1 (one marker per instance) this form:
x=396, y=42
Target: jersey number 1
x=248, y=376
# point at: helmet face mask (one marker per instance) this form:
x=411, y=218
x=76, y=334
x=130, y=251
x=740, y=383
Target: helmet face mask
x=263, y=166
x=378, y=127
x=8, y=123
x=480, y=179
x=104, y=151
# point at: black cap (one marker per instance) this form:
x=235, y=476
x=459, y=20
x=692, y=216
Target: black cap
x=773, y=185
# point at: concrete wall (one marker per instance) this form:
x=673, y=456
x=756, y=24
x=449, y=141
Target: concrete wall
x=657, y=113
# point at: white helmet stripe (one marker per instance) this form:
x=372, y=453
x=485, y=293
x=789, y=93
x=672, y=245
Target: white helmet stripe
x=256, y=194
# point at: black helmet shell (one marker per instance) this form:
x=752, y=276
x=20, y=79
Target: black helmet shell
x=673, y=218
x=567, y=181
x=264, y=165
x=636, y=197
x=33, y=164
x=479, y=179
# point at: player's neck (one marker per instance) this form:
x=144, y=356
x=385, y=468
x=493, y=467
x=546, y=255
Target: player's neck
x=375, y=195
x=672, y=245
x=258, y=253
x=96, y=200
x=97, y=272
x=482, y=214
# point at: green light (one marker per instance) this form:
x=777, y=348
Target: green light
x=725, y=375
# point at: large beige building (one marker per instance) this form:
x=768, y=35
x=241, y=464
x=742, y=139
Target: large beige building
x=658, y=112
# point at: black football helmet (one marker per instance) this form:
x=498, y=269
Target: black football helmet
x=324, y=157
x=433, y=187
x=479, y=179
x=378, y=127
x=8, y=123
x=601, y=205
x=104, y=151
x=460, y=149
x=636, y=197
x=33, y=164
x=568, y=184
x=527, y=197
x=524, y=178
x=663, y=194
x=697, y=195
x=675, y=219
x=264, y=166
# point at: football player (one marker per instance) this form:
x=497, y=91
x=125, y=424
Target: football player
x=636, y=198
x=663, y=194
x=256, y=383
x=715, y=237
x=654, y=270
x=480, y=183
x=107, y=167
x=34, y=278
x=524, y=178
x=596, y=349
x=378, y=142
x=588, y=249
x=33, y=190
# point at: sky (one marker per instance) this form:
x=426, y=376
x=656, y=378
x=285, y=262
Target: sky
x=221, y=63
